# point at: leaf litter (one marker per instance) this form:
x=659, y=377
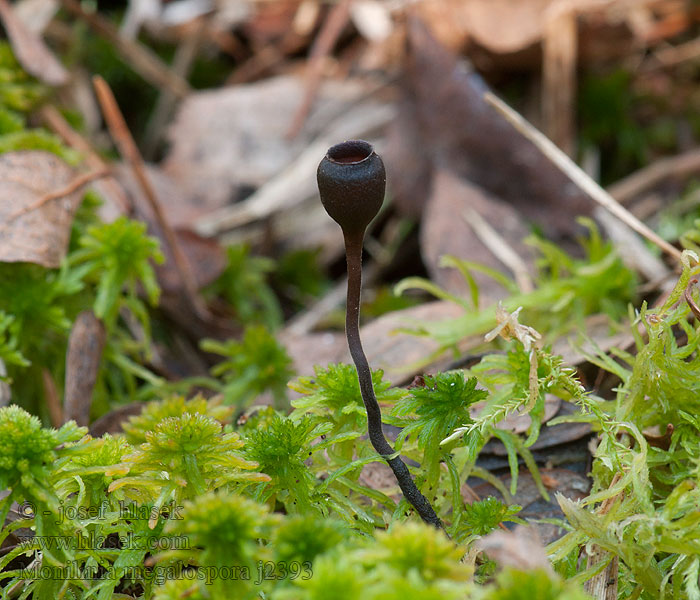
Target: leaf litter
x=478, y=187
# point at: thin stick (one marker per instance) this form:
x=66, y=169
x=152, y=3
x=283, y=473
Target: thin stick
x=577, y=175
x=141, y=59
x=55, y=120
x=500, y=248
x=127, y=148
x=681, y=165
x=53, y=402
x=73, y=186
x=330, y=32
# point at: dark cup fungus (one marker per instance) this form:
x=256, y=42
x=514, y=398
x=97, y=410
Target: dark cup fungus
x=351, y=181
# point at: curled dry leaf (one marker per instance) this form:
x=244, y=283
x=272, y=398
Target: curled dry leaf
x=30, y=50
x=402, y=354
x=35, y=223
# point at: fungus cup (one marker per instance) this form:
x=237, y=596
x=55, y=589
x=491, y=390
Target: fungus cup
x=351, y=182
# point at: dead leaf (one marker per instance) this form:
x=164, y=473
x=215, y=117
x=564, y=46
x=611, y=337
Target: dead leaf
x=309, y=350
x=599, y=337
x=379, y=476
x=512, y=26
x=447, y=123
x=206, y=256
x=228, y=142
x=33, y=230
x=400, y=354
x=36, y=14
x=445, y=230
x=30, y=50
x=396, y=353
x=520, y=549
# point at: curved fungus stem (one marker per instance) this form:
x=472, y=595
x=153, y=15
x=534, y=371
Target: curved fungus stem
x=351, y=182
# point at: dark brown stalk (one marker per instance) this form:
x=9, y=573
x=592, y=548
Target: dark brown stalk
x=353, y=250
x=351, y=181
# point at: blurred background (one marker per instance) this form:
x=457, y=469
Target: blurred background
x=229, y=105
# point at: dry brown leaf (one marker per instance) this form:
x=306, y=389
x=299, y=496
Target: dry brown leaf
x=206, y=257
x=30, y=50
x=446, y=231
x=504, y=25
x=511, y=26
x=501, y=26
x=226, y=142
x=446, y=122
x=32, y=229
x=398, y=353
x=379, y=476
x=521, y=548
x=386, y=349
x=83, y=360
x=309, y=350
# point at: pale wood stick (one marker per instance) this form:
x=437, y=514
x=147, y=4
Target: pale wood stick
x=127, y=148
x=578, y=176
x=142, y=60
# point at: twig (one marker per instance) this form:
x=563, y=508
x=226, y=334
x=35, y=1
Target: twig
x=53, y=403
x=500, y=248
x=631, y=247
x=5, y=391
x=682, y=165
x=332, y=27
x=185, y=54
x=578, y=176
x=559, y=59
x=72, y=187
x=687, y=294
x=127, y=148
x=675, y=55
x=57, y=123
x=143, y=60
